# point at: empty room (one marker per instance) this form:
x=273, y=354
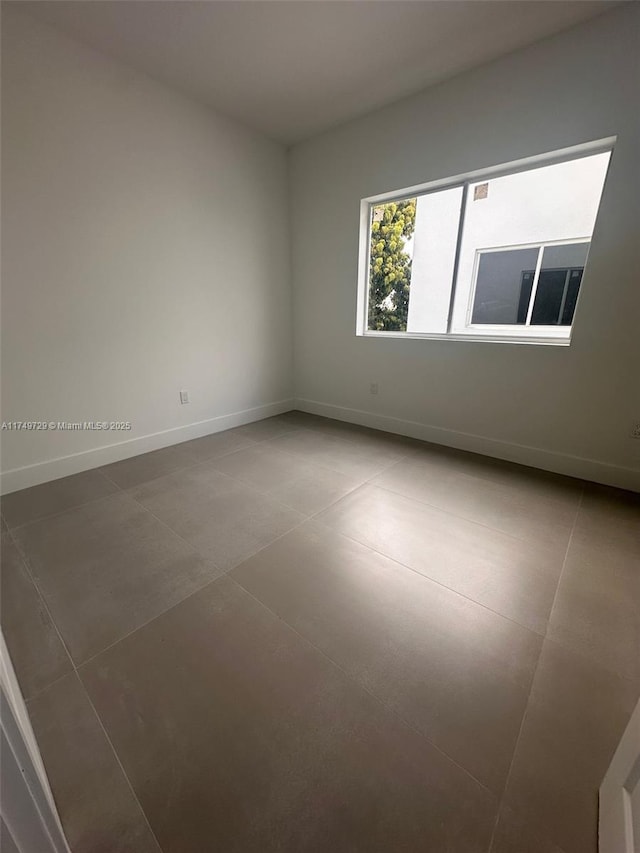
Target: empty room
x=320, y=426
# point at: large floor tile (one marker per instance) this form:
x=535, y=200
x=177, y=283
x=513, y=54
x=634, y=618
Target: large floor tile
x=498, y=471
x=398, y=445
x=7, y=844
x=300, y=419
x=518, y=506
x=108, y=567
x=50, y=498
x=217, y=444
x=511, y=576
x=267, y=428
x=287, y=477
x=224, y=519
x=575, y=718
x=147, y=466
x=239, y=736
x=457, y=672
x=37, y=653
x=597, y=608
x=347, y=457
x=374, y=440
x=98, y=809
x=612, y=516
x=514, y=833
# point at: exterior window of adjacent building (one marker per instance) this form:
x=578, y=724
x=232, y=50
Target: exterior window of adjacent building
x=499, y=256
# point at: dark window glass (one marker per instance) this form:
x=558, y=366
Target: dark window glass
x=501, y=285
x=525, y=295
x=556, y=297
x=575, y=280
x=559, y=284
x=551, y=287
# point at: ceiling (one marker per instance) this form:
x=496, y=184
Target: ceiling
x=295, y=69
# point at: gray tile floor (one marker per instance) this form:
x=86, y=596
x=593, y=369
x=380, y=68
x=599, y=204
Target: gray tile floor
x=301, y=635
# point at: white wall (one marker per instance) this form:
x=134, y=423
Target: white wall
x=540, y=404
x=145, y=250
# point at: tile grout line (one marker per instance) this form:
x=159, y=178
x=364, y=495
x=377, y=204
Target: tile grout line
x=75, y=672
x=410, y=451
x=210, y=460
x=524, y=715
x=60, y=512
x=222, y=573
x=352, y=680
x=251, y=486
x=520, y=468
x=578, y=652
x=47, y=687
x=313, y=516
x=119, y=762
x=200, y=553
x=327, y=467
x=377, y=699
x=148, y=622
x=47, y=610
x=128, y=494
x=320, y=431
x=307, y=518
x=369, y=482
x=76, y=668
x=99, y=469
x=323, y=466
x=254, y=442
x=457, y=515
x=431, y=580
x=538, y=633
x=194, y=464
x=186, y=597
x=566, y=555
x=124, y=492
x=201, y=462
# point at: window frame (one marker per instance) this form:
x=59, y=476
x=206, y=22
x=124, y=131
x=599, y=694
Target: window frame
x=545, y=331
x=545, y=335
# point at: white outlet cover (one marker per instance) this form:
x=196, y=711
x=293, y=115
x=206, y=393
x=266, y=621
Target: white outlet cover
x=184, y=397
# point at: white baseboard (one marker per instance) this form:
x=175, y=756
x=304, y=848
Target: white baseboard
x=63, y=466
x=560, y=463
x=547, y=460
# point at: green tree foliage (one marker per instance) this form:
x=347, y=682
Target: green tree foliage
x=390, y=265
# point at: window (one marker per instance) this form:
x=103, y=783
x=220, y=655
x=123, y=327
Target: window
x=508, y=291
x=496, y=255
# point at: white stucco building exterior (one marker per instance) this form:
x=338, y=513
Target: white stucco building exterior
x=550, y=204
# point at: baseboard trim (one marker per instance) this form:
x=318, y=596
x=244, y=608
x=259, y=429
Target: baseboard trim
x=547, y=460
x=63, y=466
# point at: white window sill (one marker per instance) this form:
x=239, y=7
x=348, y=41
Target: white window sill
x=492, y=337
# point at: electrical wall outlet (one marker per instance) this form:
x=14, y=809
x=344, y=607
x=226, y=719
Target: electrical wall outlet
x=635, y=430
x=373, y=388
x=184, y=397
